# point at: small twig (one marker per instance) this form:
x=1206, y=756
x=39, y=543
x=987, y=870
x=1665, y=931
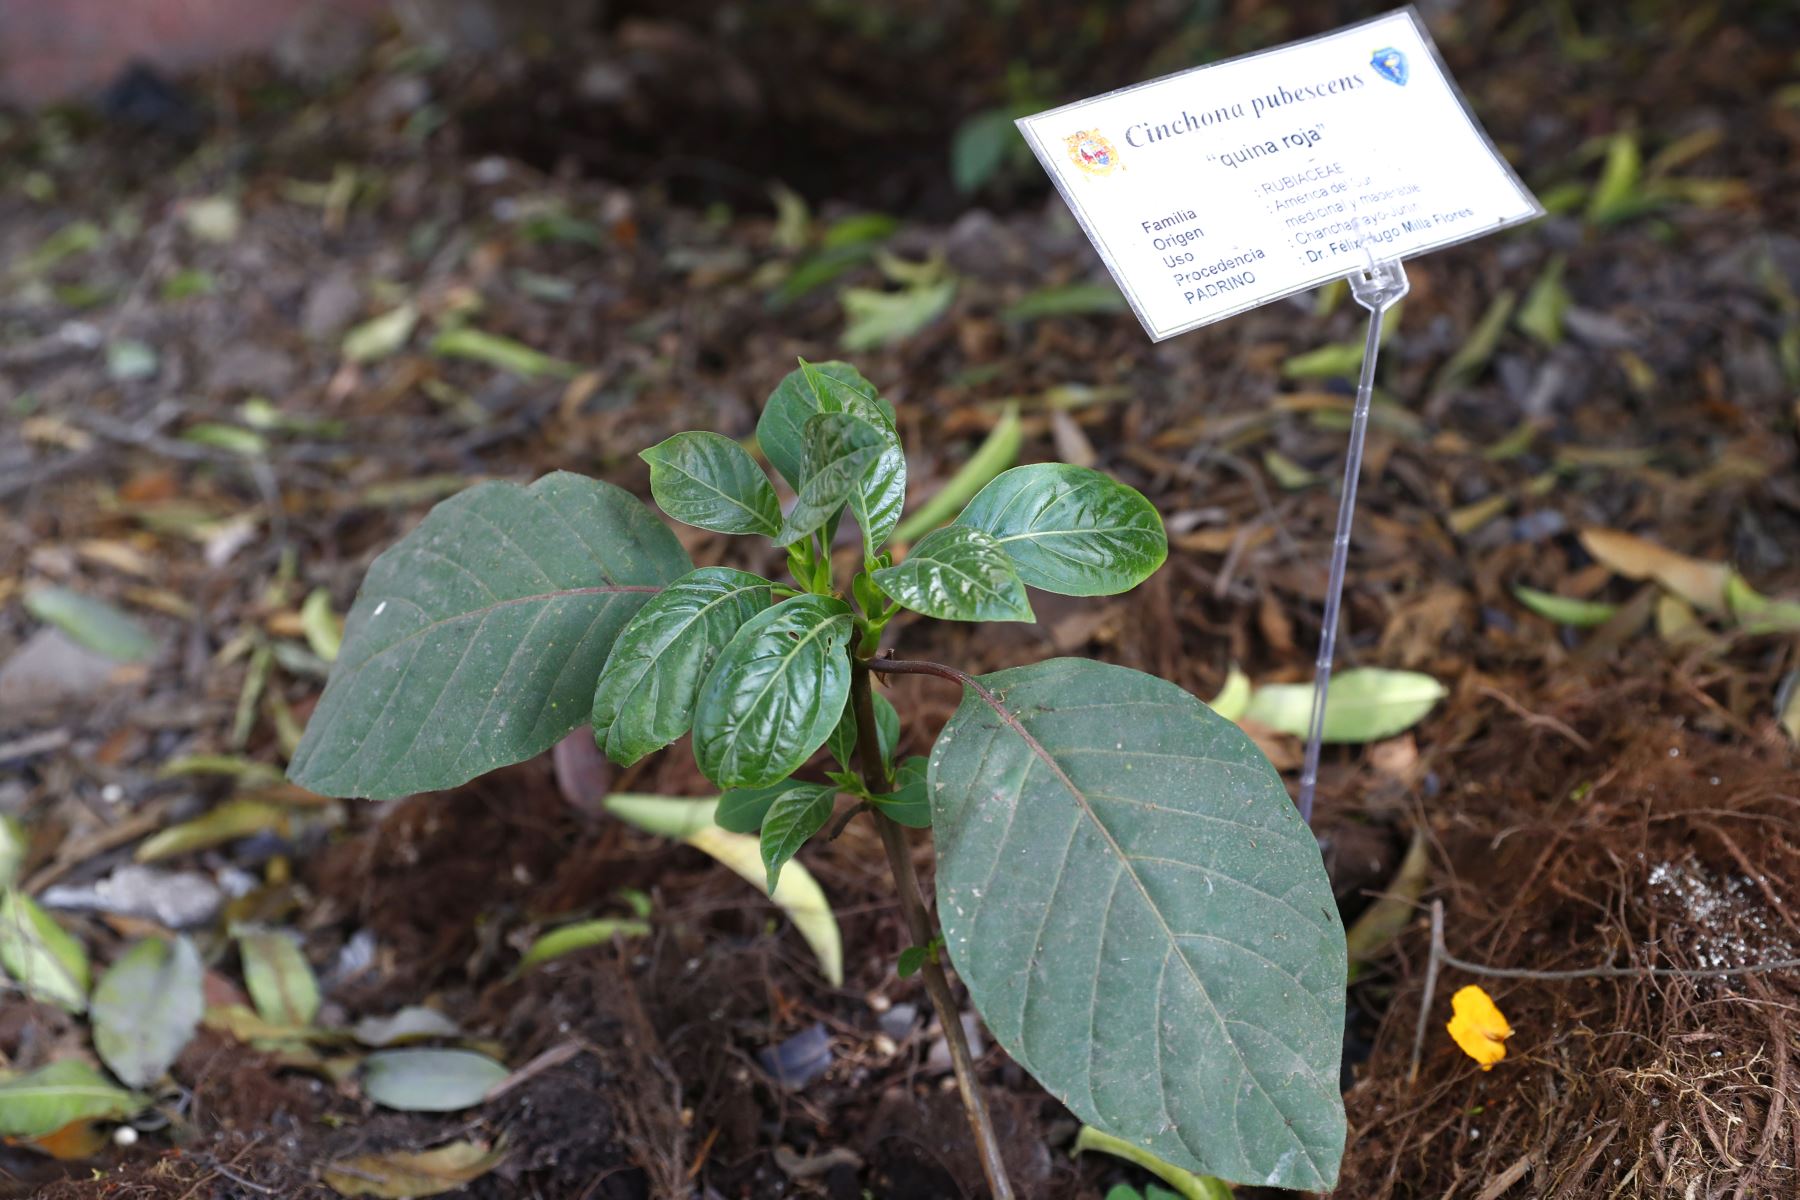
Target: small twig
x=1441, y=957
x=1534, y=719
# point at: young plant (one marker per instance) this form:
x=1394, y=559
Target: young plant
x=1123, y=884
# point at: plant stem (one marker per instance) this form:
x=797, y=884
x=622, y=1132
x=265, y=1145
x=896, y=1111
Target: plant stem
x=918, y=923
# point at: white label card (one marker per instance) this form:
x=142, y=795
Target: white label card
x=1215, y=190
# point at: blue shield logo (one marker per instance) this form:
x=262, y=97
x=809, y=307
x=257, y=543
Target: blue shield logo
x=1390, y=64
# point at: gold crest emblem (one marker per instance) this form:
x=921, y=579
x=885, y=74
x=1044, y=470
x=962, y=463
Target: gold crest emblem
x=1092, y=153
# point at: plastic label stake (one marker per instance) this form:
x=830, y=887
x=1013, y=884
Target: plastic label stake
x=1377, y=287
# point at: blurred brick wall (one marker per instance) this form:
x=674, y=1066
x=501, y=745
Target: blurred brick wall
x=54, y=49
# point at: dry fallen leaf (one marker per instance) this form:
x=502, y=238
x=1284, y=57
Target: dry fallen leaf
x=1700, y=583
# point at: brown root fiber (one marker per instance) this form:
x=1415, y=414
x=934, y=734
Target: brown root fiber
x=1657, y=848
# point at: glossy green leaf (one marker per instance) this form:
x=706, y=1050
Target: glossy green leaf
x=840, y=451
x=957, y=573
x=94, y=623
x=875, y=318
x=741, y=810
x=146, y=1008
x=834, y=387
x=1564, y=610
x=1361, y=705
x=775, y=694
x=423, y=1080
x=46, y=961
x=579, y=936
x=476, y=639
x=1071, y=530
x=908, y=803
x=808, y=390
x=1143, y=919
x=43, y=1101
x=709, y=481
x=280, y=980
x=796, y=814
x=842, y=742
x=645, y=697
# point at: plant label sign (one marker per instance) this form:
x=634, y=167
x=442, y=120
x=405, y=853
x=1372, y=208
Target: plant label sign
x=1217, y=189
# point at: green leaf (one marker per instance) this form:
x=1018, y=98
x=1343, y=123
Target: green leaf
x=842, y=742
x=375, y=339
x=957, y=573
x=841, y=450
x=1233, y=700
x=279, y=978
x=1362, y=705
x=324, y=631
x=501, y=352
x=1187, y=1185
x=413, y=1023
x=775, y=694
x=15, y=844
x=43, y=1101
x=228, y=822
x=580, y=936
x=876, y=318
x=94, y=623
x=429, y=1080
x=1143, y=919
x=1069, y=300
x=1541, y=314
x=741, y=810
x=798, y=894
x=998, y=451
x=808, y=390
x=834, y=387
x=1071, y=530
x=796, y=814
x=709, y=481
x=980, y=147
x=476, y=639
x=908, y=803
x=645, y=697
x=146, y=1008
x=1564, y=610
x=912, y=959
x=44, y=958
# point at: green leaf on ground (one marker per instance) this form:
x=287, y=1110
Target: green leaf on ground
x=501, y=352
x=1068, y=300
x=93, y=623
x=876, y=318
x=379, y=337
x=426, y=1080
x=1565, y=610
x=1143, y=919
x=146, y=1008
x=1361, y=705
x=569, y=938
x=476, y=639
x=280, y=980
x=43, y=1101
x=46, y=961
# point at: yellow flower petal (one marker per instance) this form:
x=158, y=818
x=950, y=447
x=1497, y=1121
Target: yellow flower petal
x=1478, y=1026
